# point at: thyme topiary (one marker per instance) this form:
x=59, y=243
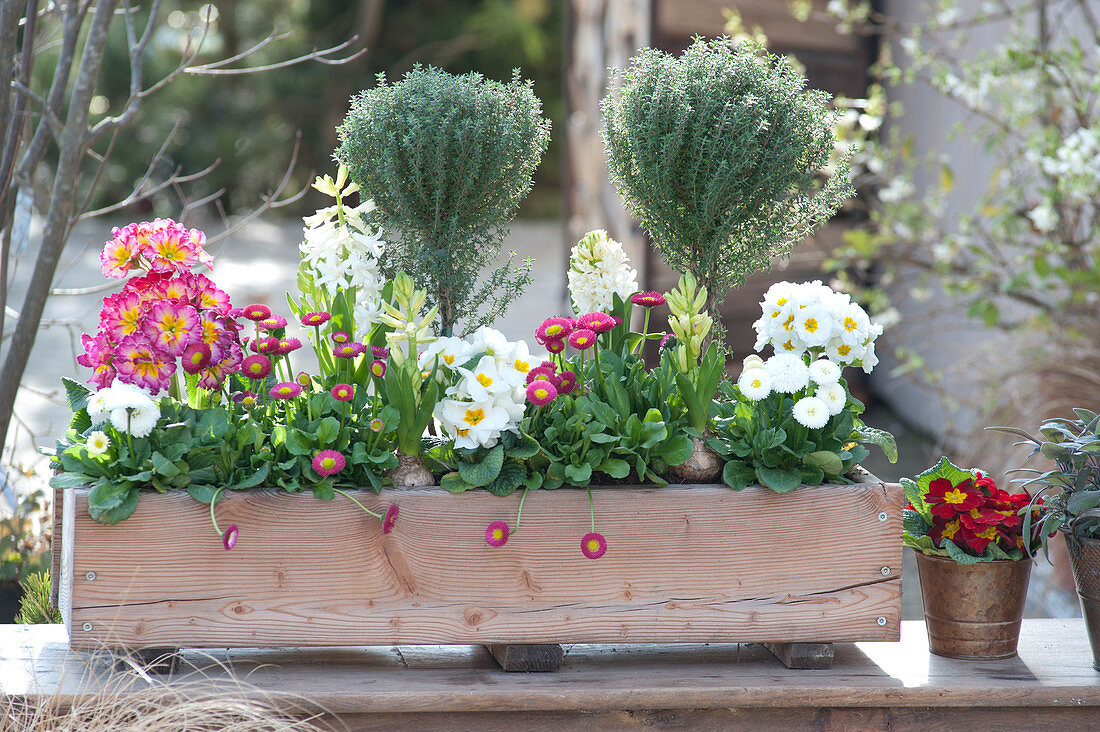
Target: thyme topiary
x=447, y=159
x=718, y=153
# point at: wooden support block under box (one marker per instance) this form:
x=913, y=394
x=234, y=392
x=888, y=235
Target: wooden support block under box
x=697, y=563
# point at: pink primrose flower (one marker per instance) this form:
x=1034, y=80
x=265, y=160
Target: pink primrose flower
x=171, y=326
x=342, y=392
x=139, y=363
x=647, y=299
x=196, y=357
x=541, y=392
x=328, y=462
x=389, y=519
x=120, y=255
x=582, y=339
x=319, y=317
x=170, y=249
x=123, y=314
x=496, y=534
x=98, y=355
x=593, y=545
x=596, y=322
x=553, y=329
x=256, y=367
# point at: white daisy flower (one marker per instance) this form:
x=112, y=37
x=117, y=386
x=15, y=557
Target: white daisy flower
x=834, y=397
x=752, y=361
x=755, y=384
x=97, y=443
x=138, y=421
x=787, y=372
x=823, y=371
x=811, y=412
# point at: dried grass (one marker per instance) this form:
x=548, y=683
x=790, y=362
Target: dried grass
x=128, y=699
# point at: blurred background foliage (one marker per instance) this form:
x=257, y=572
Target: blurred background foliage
x=249, y=123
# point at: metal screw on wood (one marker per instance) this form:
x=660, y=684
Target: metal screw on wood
x=87, y=627
x=881, y=621
x=883, y=516
x=90, y=576
x=885, y=571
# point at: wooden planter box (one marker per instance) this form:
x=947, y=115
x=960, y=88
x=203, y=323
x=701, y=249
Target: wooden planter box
x=695, y=563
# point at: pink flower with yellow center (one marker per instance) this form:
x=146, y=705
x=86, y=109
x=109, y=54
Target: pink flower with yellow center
x=171, y=326
x=274, y=322
x=389, y=519
x=196, y=357
x=593, y=545
x=567, y=382
x=173, y=288
x=582, y=339
x=378, y=368
x=377, y=425
x=170, y=250
x=496, y=534
x=553, y=329
x=647, y=299
x=380, y=352
x=287, y=345
x=98, y=355
x=122, y=315
x=285, y=390
x=546, y=373
x=229, y=539
x=120, y=255
x=342, y=392
x=257, y=312
x=596, y=322
x=348, y=350
x=317, y=318
x=267, y=344
x=555, y=346
x=541, y=392
x=256, y=367
x=329, y=462
x=138, y=363
x=339, y=337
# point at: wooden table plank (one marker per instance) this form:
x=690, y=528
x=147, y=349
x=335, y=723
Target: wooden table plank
x=1053, y=670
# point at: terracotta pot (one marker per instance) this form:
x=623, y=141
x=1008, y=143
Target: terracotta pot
x=1084, y=555
x=973, y=611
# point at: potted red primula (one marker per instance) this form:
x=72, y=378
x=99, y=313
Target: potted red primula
x=973, y=560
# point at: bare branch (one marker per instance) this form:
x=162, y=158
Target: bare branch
x=132, y=195
x=136, y=194
x=215, y=68
x=52, y=120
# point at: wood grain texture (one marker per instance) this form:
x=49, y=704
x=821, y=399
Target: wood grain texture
x=1053, y=676
x=814, y=656
x=684, y=563
x=527, y=657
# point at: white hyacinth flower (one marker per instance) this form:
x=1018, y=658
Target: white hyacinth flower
x=598, y=270
x=811, y=412
x=788, y=373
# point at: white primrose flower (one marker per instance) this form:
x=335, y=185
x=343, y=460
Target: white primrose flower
x=514, y=402
x=842, y=353
x=854, y=325
x=452, y=352
x=755, y=384
x=823, y=371
x=516, y=362
x=814, y=325
x=471, y=424
x=489, y=340
x=787, y=372
x=834, y=397
x=97, y=443
x=483, y=382
x=811, y=412
x=598, y=270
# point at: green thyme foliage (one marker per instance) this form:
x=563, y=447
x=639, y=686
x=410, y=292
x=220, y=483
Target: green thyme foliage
x=718, y=153
x=448, y=159
x=35, y=606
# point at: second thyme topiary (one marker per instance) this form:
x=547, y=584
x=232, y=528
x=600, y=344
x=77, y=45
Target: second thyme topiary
x=448, y=159
x=718, y=153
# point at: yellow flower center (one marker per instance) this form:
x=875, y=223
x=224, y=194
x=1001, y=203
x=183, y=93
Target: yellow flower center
x=850, y=324
x=196, y=358
x=474, y=416
x=248, y=401
x=843, y=349
x=484, y=380
x=541, y=393
x=173, y=326
x=498, y=534
x=328, y=463
x=788, y=323
x=462, y=433
x=522, y=366
x=755, y=383
x=255, y=367
x=593, y=545
x=582, y=340
x=448, y=359
x=284, y=390
x=989, y=532
x=781, y=301
x=553, y=330
x=788, y=346
x=810, y=324
x=130, y=319
x=954, y=496
x=951, y=529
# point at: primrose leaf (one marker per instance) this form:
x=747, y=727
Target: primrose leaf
x=453, y=483
x=76, y=394
x=484, y=472
x=780, y=480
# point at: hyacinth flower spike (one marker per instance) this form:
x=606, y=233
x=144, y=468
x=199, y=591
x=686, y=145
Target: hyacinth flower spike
x=593, y=545
x=497, y=532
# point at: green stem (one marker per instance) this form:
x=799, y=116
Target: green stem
x=591, y=509
x=519, y=514
x=645, y=331
x=213, y=520
x=348, y=496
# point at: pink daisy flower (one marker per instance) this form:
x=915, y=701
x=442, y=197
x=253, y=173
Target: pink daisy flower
x=647, y=299
x=541, y=392
x=256, y=312
x=304, y=380
x=342, y=392
x=496, y=534
x=389, y=519
x=567, y=382
x=553, y=329
x=542, y=372
x=319, y=317
x=596, y=322
x=378, y=368
x=285, y=390
x=268, y=344
x=339, y=336
x=196, y=357
x=582, y=339
x=348, y=350
x=593, y=545
x=287, y=345
x=555, y=346
x=171, y=326
x=256, y=367
x=377, y=425
x=273, y=322
x=380, y=352
x=229, y=539
x=328, y=462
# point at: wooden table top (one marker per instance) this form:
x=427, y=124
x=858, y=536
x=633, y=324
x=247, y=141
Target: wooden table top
x=1053, y=669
